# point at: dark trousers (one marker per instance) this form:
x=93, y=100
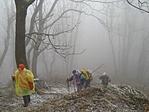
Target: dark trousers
x=26, y=99
x=88, y=83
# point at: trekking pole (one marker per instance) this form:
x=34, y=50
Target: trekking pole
x=74, y=88
x=97, y=68
x=68, y=85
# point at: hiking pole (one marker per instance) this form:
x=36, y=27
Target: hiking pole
x=97, y=68
x=74, y=87
x=68, y=85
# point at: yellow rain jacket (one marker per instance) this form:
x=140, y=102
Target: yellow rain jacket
x=22, y=79
x=85, y=74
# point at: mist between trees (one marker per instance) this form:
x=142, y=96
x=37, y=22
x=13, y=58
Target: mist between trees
x=53, y=37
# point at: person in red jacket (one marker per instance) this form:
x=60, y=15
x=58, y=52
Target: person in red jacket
x=24, y=83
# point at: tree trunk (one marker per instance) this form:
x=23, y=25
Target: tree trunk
x=20, y=35
x=21, y=11
x=34, y=63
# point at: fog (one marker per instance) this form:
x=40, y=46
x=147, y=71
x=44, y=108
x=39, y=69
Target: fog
x=119, y=42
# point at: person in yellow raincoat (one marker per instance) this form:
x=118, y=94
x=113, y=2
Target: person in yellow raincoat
x=24, y=83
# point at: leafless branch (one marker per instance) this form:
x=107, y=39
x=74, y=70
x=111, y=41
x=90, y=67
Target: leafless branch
x=74, y=53
x=51, y=9
x=75, y=10
x=64, y=55
x=29, y=2
x=140, y=5
x=28, y=36
x=95, y=1
x=56, y=34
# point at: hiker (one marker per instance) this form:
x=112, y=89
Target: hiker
x=24, y=83
x=85, y=73
x=78, y=80
x=104, y=79
x=90, y=75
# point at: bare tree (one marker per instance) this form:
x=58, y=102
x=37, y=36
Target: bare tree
x=41, y=38
x=110, y=23
x=127, y=28
x=9, y=32
x=143, y=58
x=40, y=27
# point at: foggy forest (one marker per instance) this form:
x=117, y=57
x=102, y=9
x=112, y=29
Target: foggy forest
x=63, y=35
x=54, y=37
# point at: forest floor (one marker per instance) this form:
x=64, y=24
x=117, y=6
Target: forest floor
x=114, y=98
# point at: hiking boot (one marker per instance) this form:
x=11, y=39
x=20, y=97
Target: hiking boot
x=25, y=105
x=26, y=98
x=29, y=99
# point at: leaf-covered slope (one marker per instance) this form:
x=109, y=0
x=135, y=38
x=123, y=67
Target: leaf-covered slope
x=115, y=98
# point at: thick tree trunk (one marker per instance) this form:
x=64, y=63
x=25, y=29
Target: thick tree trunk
x=20, y=36
x=21, y=11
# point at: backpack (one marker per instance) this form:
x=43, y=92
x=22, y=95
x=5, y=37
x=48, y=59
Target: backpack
x=84, y=72
x=89, y=75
